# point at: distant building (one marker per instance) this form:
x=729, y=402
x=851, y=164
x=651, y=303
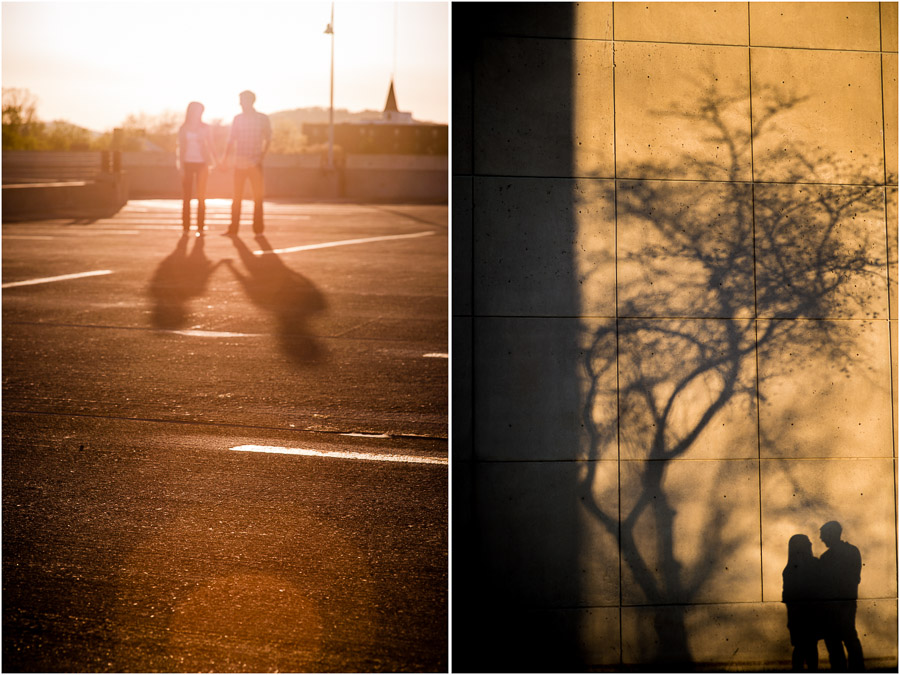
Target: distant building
x=396, y=133
x=392, y=114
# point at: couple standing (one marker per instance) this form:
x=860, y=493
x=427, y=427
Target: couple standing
x=820, y=594
x=249, y=140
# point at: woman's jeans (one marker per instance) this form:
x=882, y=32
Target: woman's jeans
x=191, y=171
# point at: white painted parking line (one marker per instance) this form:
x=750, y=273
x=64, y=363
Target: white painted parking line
x=73, y=183
x=63, y=277
x=70, y=233
x=436, y=356
x=211, y=333
x=26, y=236
x=368, y=456
x=158, y=227
x=343, y=242
x=101, y=232
x=367, y=435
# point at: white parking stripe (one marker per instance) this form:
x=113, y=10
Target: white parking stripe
x=343, y=242
x=212, y=333
x=369, y=456
x=436, y=356
x=63, y=277
x=27, y=236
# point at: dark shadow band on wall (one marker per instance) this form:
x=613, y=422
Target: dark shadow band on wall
x=513, y=537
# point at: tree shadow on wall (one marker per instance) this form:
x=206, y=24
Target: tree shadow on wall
x=712, y=279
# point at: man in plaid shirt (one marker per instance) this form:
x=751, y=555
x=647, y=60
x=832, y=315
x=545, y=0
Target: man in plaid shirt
x=251, y=134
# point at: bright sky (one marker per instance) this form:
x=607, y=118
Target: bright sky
x=94, y=63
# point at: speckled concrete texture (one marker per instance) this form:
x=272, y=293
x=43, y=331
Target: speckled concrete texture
x=722, y=23
x=527, y=231
x=531, y=515
x=826, y=391
x=526, y=120
x=828, y=124
x=815, y=25
x=684, y=249
x=683, y=333
x=661, y=131
x=523, y=376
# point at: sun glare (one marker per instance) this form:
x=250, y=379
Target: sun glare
x=93, y=64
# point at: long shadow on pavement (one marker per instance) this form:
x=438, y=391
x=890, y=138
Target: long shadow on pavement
x=179, y=277
x=289, y=296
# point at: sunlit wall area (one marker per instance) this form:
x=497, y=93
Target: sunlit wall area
x=675, y=326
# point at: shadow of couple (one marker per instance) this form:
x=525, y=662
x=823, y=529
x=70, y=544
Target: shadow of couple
x=289, y=297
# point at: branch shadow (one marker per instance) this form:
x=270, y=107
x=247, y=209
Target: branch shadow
x=715, y=278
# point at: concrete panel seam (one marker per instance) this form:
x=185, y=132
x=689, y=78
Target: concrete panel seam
x=750, y=46
x=679, y=180
x=616, y=306
x=681, y=459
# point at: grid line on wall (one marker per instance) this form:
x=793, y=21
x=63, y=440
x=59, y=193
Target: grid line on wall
x=551, y=38
x=887, y=238
x=680, y=180
x=616, y=301
x=692, y=603
x=762, y=583
x=680, y=459
x=673, y=317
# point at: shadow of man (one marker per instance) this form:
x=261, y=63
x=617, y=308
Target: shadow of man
x=290, y=297
x=177, y=279
x=841, y=567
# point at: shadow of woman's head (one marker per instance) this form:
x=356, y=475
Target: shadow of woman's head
x=799, y=547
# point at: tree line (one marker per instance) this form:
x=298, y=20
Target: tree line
x=24, y=130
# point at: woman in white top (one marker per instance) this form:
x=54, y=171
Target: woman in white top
x=194, y=155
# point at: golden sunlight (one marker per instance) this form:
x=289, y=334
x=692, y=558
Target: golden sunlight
x=93, y=64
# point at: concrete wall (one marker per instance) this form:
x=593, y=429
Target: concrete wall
x=100, y=198
x=675, y=326
x=364, y=178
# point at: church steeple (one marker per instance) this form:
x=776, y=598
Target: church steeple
x=390, y=105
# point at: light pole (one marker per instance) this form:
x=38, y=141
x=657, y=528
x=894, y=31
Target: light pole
x=330, y=31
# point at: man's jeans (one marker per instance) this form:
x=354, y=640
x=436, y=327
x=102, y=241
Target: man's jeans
x=255, y=174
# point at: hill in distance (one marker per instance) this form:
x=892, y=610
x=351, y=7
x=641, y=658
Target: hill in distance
x=317, y=115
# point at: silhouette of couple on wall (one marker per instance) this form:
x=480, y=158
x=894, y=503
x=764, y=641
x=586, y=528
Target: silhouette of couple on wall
x=820, y=595
x=248, y=142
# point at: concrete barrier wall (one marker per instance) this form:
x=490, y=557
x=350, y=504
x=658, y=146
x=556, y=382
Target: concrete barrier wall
x=100, y=198
x=364, y=177
x=675, y=326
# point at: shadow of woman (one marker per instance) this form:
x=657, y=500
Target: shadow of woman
x=801, y=593
x=177, y=279
x=290, y=297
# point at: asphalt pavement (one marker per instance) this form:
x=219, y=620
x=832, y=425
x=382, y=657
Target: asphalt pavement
x=226, y=454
